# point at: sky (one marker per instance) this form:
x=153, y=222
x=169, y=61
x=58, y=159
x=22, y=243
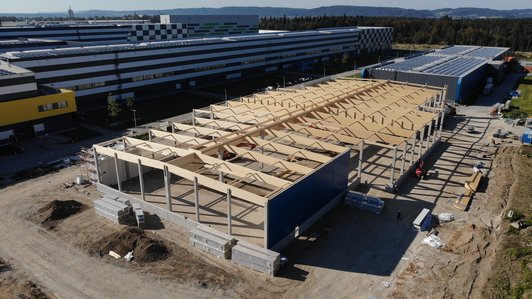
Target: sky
x=30, y=6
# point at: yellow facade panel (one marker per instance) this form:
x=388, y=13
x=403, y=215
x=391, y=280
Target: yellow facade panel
x=17, y=111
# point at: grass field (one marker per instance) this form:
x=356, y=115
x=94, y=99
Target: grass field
x=525, y=100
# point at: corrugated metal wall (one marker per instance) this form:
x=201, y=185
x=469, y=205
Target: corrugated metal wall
x=472, y=84
x=295, y=205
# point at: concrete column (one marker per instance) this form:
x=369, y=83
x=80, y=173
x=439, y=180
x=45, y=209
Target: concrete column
x=360, y=159
x=141, y=181
x=428, y=135
x=229, y=229
x=434, y=134
x=149, y=135
x=97, y=165
x=403, y=159
x=441, y=123
x=196, y=199
x=221, y=157
x=413, y=149
x=394, y=159
x=173, y=128
x=193, y=117
x=421, y=139
x=119, y=183
x=167, y=176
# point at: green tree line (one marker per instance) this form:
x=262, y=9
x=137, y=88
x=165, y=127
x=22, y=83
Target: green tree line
x=513, y=33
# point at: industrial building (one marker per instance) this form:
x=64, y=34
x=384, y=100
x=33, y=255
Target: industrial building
x=264, y=167
x=463, y=69
x=28, y=110
x=215, y=25
x=140, y=70
x=76, y=32
x=171, y=27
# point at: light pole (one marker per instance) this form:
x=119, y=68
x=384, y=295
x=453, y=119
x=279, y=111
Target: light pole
x=134, y=117
x=225, y=93
x=323, y=71
x=284, y=82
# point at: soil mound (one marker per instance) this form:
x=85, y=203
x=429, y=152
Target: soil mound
x=56, y=211
x=4, y=266
x=145, y=249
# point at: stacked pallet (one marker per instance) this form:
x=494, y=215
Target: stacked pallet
x=256, y=258
x=212, y=241
x=364, y=202
x=112, y=209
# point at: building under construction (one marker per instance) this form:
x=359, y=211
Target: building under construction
x=266, y=166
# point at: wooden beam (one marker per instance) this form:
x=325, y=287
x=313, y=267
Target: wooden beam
x=221, y=124
x=177, y=138
x=288, y=150
x=268, y=160
x=186, y=174
x=199, y=130
x=241, y=171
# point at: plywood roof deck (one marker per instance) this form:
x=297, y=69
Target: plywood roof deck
x=270, y=140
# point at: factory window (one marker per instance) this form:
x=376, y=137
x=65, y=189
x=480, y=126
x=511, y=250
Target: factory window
x=253, y=61
x=289, y=55
x=209, y=67
x=152, y=76
x=52, y=106
x=86, y=86
x=313, y=52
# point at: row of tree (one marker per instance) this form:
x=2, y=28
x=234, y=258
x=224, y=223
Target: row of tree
x=513, y=33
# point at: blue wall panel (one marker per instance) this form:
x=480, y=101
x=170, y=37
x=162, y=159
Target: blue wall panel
x=472, y=84
x=295, y=205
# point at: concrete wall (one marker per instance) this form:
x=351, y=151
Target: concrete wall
x=294, y=206
x=127, y=171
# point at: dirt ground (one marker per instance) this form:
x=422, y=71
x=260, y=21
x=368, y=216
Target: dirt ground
x=348, y=254
x=14, y=284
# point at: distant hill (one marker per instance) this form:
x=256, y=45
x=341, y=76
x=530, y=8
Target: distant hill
x=466, y=12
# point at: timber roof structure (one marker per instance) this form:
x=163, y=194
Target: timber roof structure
x=264, y=143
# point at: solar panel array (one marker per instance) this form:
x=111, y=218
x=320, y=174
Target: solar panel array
x=487, y=52
x=456, y=67
x=410, y=64
x=453, y=61
x=455, y=50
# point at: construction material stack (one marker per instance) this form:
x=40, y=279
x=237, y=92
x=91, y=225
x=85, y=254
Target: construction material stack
x=256, y=258
x=212, y=241
x=364, y=202
x=112, y=208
